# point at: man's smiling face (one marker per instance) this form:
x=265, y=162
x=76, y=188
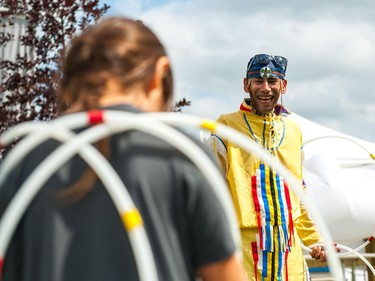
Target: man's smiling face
x=264, y=92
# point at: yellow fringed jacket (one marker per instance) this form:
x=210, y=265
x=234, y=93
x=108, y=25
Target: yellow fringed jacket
x=261, y=197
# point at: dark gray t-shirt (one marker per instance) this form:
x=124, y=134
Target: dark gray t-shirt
x=85, y=240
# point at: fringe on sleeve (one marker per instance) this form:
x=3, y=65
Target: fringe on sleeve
x=216, y=145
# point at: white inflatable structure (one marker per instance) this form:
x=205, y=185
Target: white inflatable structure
x=339, y=171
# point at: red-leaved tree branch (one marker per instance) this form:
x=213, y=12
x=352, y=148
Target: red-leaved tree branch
x=28, y=77
x=28, y=80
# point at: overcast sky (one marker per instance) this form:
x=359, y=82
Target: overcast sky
x=330, y=46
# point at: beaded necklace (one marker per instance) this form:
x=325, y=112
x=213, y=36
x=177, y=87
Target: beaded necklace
x=271, y=134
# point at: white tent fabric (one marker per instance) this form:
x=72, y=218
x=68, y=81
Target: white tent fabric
x=340, y=175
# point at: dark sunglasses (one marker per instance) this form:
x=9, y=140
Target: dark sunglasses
x=266, y=59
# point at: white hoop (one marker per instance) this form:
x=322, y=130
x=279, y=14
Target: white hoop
x=247, y=144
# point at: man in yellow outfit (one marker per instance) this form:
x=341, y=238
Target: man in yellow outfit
x=271, y=217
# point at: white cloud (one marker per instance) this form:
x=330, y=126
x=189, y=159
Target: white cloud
x=330, y=46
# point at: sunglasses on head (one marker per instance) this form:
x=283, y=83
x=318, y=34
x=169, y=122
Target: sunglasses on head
x=266, y=59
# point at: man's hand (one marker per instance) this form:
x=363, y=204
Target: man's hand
x=318, y=253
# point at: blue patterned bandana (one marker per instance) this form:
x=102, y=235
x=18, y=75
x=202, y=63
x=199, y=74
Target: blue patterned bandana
x=265, y=66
